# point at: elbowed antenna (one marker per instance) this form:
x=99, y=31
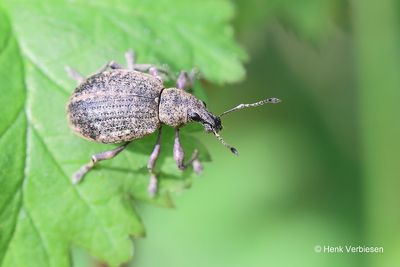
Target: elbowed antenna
x=271, y=100
x=231, y=148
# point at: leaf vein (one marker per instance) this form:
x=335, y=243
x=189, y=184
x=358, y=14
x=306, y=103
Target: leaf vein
x=45, y=74
x=12, y=122
x=75, y=189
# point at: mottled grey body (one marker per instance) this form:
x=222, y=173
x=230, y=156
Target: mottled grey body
x=120, y=105
x=123, y=105
x=178, y=107
x=116, y=106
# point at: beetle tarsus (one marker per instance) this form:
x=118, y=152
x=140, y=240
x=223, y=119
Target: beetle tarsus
x=74, y=75
x=130, y=59
x=186, y=80
x=154, y=72
x=197, y=166
x=152, y=188
x=111, y=64
x=114, y=65
x=195, y=162
x=179, y=156
x=78, y=176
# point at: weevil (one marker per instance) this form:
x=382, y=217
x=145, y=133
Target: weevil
x=119, y=105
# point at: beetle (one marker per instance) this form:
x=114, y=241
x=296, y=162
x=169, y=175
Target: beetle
x=118, y=105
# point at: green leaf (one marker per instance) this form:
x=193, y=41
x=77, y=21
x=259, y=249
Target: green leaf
x=41, y=213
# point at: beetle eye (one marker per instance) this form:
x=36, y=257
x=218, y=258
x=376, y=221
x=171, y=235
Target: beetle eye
x=195, y=117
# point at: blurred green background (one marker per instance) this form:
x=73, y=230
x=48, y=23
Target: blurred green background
x=321, y=168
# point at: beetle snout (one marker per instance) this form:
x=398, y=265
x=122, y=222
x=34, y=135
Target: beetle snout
x=217, y=124
x=213, y=124
x=210, y=122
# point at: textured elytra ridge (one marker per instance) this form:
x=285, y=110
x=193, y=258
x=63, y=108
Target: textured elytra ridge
x=116, y=106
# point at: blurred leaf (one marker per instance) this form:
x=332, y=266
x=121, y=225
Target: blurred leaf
x=309, y=19
x=42, y=214
x=377, y=43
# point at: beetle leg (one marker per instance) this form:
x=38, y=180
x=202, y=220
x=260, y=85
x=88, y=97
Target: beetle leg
x=160, y=73
x=151, y=69
x=114, y=65
x=179, y=156
x=78, y=176
x=75, y=75
x=152, y=188
x=111, y=64
x=157, y=72
x=196, y=164
x=186, y=80
x=130, y=59
x=131, y=62
x=141, y=67
x=154, y=72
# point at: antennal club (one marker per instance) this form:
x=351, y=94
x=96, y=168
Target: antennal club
x=231, y=148
x=271, y=100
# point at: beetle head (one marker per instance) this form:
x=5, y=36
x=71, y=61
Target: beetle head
x=212, y=124
x=209, y=121
x=178, y=108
